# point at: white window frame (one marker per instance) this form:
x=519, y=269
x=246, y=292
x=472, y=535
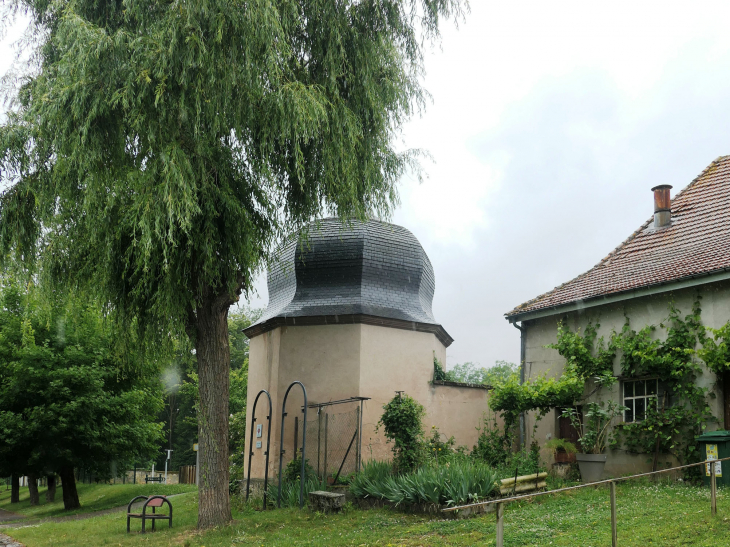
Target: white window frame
x=630, y=401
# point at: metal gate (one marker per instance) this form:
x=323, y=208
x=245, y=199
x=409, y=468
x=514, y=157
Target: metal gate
x=334, y=438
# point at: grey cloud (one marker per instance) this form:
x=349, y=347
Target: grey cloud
x=582, y=162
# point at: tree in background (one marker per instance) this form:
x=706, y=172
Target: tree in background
x=70, y=398
x=156, y=150
x=474, y=374
x=181, y=385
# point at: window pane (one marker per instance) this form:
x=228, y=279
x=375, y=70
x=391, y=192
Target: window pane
x=651, y=387
x=639, y=412
x=629, y=412
x=628, y=389
x=639, y=388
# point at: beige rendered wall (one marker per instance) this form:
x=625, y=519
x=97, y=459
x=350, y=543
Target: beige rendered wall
x=398, y=360
x=643, y=311
x=325, y=358
x=348, y=360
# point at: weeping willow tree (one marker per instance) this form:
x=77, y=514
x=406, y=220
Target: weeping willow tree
x=155, y=150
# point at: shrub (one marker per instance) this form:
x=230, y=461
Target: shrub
x=293, y=470
x=493, y=445
x=438, y=448
x=522, y=462
x=402, y=423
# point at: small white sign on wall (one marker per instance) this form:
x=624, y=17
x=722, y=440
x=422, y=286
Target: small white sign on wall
x=259, y=431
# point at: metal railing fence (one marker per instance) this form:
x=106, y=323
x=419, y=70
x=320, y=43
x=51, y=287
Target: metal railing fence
x=334, y=438
x=500, y=503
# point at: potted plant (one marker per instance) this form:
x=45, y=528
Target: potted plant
x=592, y=433
x=563, y=450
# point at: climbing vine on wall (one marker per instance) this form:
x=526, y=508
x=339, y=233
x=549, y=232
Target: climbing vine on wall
x=402, y=420
x=716, y=349
x=510, y=398
x=682, y=412
x=682, y=409
x=586, y=356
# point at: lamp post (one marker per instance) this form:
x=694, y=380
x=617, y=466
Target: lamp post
x=197, y=463
x=167, y=460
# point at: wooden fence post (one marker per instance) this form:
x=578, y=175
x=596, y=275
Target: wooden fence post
x=614, y=531
x=500, y=525
x=713, y=490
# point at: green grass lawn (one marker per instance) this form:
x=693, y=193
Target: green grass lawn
x=93, y=497
x=666, y=515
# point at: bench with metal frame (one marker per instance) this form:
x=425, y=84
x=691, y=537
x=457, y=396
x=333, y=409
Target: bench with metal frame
x=151, y=501
x=158, y=478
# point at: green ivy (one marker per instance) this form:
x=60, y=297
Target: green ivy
x=511, y=398
x=671, y=427
x=716, y=349
x=588, y=355
x=439, y=374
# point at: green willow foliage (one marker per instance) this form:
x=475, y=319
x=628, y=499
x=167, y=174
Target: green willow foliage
x=160, y=145
x=683, y=412
x=157, y=150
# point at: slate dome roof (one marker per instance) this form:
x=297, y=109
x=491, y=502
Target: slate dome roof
x=358, y=272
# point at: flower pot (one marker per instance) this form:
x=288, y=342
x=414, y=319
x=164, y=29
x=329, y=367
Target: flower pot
x=591, y=466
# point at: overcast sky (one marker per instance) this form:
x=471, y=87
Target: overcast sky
x=550, y=123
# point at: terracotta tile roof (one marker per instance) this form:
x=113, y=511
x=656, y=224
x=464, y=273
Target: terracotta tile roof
x=696, y=243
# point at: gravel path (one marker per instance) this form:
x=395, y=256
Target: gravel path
x=9, y=515
x=7, y=541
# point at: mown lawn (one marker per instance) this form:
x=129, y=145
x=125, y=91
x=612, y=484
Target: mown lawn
x=666, y=515
x=93, y=497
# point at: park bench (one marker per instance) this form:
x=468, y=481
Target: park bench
x=158, y=478
x=151, y=501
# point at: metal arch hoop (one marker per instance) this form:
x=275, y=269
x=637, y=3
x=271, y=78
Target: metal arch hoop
x=304, y=443
x=250, y=446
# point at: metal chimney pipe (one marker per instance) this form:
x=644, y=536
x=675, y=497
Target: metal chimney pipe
x=662, y=205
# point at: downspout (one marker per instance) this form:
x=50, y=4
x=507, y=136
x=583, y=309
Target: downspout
x=522, y=328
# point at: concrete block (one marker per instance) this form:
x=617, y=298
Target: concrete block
x=326, y=502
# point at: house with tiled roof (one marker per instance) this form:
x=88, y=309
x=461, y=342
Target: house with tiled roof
x=679, y=254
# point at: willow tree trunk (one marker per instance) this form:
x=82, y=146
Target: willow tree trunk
x=68, y=485
x=14, y=488
x=51, y=492
x=33, y=489
x=214, y=360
